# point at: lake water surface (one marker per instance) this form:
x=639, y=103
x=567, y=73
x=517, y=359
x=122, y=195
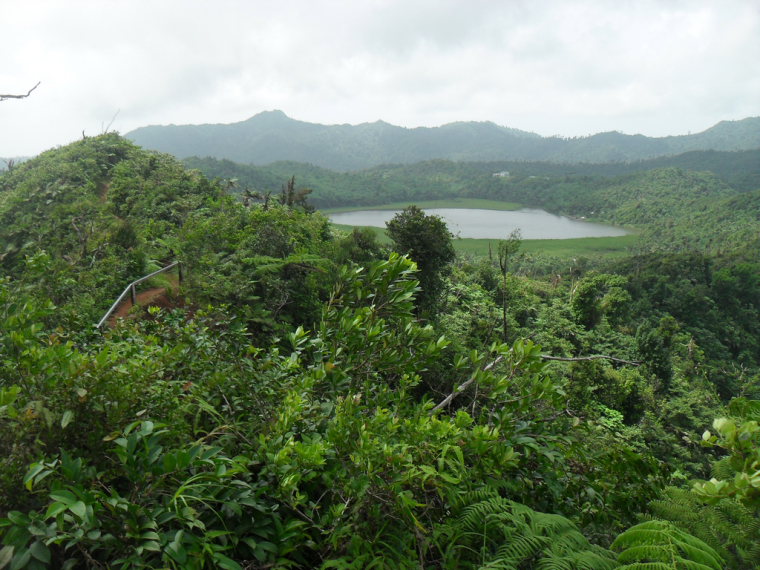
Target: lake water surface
x=492, y=224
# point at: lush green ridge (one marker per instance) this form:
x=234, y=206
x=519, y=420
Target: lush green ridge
x=429, y=204
x=297, y=405
x=272, y=136
x=661, y=202
x=740, y=169
x=445, y=179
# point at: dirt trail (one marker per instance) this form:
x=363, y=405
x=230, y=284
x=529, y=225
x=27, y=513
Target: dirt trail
x=155, y=296
x=143, y=298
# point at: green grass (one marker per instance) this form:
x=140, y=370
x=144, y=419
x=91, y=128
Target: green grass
x=380, y=234
x=428, y=204
x=588, y=247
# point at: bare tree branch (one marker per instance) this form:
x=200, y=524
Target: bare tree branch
x=112, y=120
x=3, y=97
x=593, y=357
x=462, y=387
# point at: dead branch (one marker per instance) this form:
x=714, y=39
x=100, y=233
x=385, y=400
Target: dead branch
x=593, y=357
x=3, y=97
x=462, y=387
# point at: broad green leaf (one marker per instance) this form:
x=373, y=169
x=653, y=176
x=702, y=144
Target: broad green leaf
x=79, y=509
x=68, y=415
x=34, y=470
x=54, y=509
x=63, y=496
x=40, y=552
x=223, y=562
x=21, y=560
x=18, y=518
x=6, y=555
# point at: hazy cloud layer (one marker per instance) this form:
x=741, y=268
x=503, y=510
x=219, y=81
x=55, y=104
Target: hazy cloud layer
x=572, y=67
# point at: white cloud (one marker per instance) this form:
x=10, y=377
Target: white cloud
x=554, y=67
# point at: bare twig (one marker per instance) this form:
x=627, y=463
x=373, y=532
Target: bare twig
x=3, y=97
x=462, y=387
x=93, y=563
x=111, y=123
x=593, y=357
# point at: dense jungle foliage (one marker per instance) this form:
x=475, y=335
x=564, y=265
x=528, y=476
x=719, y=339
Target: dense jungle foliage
x=441, y=178
x=308, y=398
x=660, y=198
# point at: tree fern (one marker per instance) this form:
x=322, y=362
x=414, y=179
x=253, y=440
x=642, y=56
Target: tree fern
x=660, y=545
x=723, y=469
x=745, y=408
x=489, y=531
x=727, y=526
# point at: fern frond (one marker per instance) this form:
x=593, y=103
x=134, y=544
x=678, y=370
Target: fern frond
x=662, y=542
x=722, y=469
x=498, y=564
x=521, y=548
x=593, y=559
x=494, y=532
x=729, y=527
x=648, y=566
x=745, y=409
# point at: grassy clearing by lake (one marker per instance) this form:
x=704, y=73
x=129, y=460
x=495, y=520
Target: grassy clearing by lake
x=472, y=203
x=380, y=234
x=587, y=247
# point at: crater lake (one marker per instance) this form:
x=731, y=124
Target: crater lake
x=492, y=224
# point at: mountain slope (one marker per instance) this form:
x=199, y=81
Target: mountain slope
x=82, y=221
x=445, y=178
x=273, y=136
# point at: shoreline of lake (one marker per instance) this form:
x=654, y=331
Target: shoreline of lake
x=477, y=223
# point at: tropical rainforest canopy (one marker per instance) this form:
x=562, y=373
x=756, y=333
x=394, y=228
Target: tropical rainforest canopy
x=312, y=398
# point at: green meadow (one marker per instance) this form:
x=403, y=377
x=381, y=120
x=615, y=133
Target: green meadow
x=587, y=247
x=472, y=203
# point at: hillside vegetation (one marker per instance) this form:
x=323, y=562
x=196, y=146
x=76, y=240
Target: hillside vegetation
x=272, y=136
x=304, y=402
x=659, y=198
x=739, y=169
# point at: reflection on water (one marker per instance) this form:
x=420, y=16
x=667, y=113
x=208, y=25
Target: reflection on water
x=493, y=224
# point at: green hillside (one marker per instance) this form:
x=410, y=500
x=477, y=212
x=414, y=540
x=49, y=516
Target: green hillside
x=441, y=178
x=657, y=197
x=273, y=136
x=311, y=398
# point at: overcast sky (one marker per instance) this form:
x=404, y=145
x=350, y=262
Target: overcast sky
x=566, y=67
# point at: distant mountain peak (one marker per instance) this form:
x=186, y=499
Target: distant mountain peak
x=273, y=115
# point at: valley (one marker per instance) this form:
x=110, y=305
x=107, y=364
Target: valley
x=386, y=285
x=490, y=224
x=317, y=395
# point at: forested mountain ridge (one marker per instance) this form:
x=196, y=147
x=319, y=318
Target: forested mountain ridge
x=272, y=136
x=658, y=197
x=444, y=178
x=740, y=169
x=296, y=406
